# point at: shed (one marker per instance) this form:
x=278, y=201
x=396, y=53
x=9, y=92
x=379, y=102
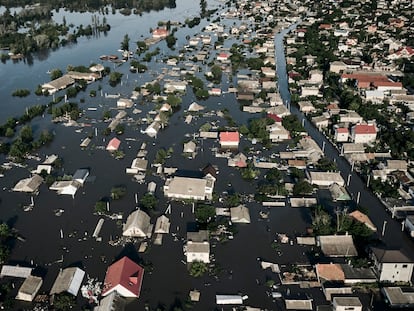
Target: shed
x=162, y=225
x=68, y=280
x=29, y=288
x=152, y=186
x=240, y=214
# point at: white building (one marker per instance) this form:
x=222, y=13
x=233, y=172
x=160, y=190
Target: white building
x=189, y=188
x=364, y=133
x=198, y=247
x=392, y=265
x=137, y=225
x=326, y=178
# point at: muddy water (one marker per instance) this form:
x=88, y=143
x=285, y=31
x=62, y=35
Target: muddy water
x=168, y=282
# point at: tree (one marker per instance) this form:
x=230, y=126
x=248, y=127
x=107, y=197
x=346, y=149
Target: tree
x=171, y=41
x=118, y=192
x=115, y=78
x=325, y=164
x=26, y=134
x=198, y=268
x=55, y=73
x=273, y=175
x=174, y=101
x=217, y=73
x=148, y=201
x=302, y=187
x=101, y=207
x=125, y=43
x=204, y=213
x=232, y=200
x=63, y=302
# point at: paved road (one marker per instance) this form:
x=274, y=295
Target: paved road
x=393, y=236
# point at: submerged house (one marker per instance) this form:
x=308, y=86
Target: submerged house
x=137, y=225
x=124, y=277
x=189, y=188
x=29, y=184
x=68, y=280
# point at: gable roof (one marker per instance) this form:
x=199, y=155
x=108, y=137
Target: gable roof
x=229, y=137
x=68, y=280
x=330, y=272
x=390, y=255
x=361, y=129
x=125, y=273
x=113, y=144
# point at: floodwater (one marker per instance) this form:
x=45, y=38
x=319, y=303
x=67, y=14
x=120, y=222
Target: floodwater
x=168, y=282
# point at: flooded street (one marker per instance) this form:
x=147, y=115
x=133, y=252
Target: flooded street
x=50, y=241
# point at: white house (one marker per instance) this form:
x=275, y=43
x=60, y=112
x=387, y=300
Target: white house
x=341, y=134
x=392, y=265
x=189, y=188
x=277, y=132
x=326, y=178
x=229, y=139
x=363, y=133
x=198, y=247
x=137, y=225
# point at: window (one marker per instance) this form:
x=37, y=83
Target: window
x=405, y=266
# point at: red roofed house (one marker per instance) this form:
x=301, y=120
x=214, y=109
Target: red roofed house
x=364, y=133
x=223, y=56
x=229, y=139
x=113, y=144
x=341, y=134
x=275, y=117
x=124, y=277
x=387, y=85
x=160, y=33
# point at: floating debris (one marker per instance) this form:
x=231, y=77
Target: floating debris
x=58, y=212
x=91, y=290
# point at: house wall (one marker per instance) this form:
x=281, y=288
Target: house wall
x=191, y=257
x=346, y=308
x=341, y=137
x=364, y=138
x=409, y=227
x=396, y=272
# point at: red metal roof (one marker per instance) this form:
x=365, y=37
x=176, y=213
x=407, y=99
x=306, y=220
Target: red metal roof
x=274, y=117
x=229, y=136
x=113, y=144
x=342, y=130
x=387, y=83
x=365, y=129
x=125, y=273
